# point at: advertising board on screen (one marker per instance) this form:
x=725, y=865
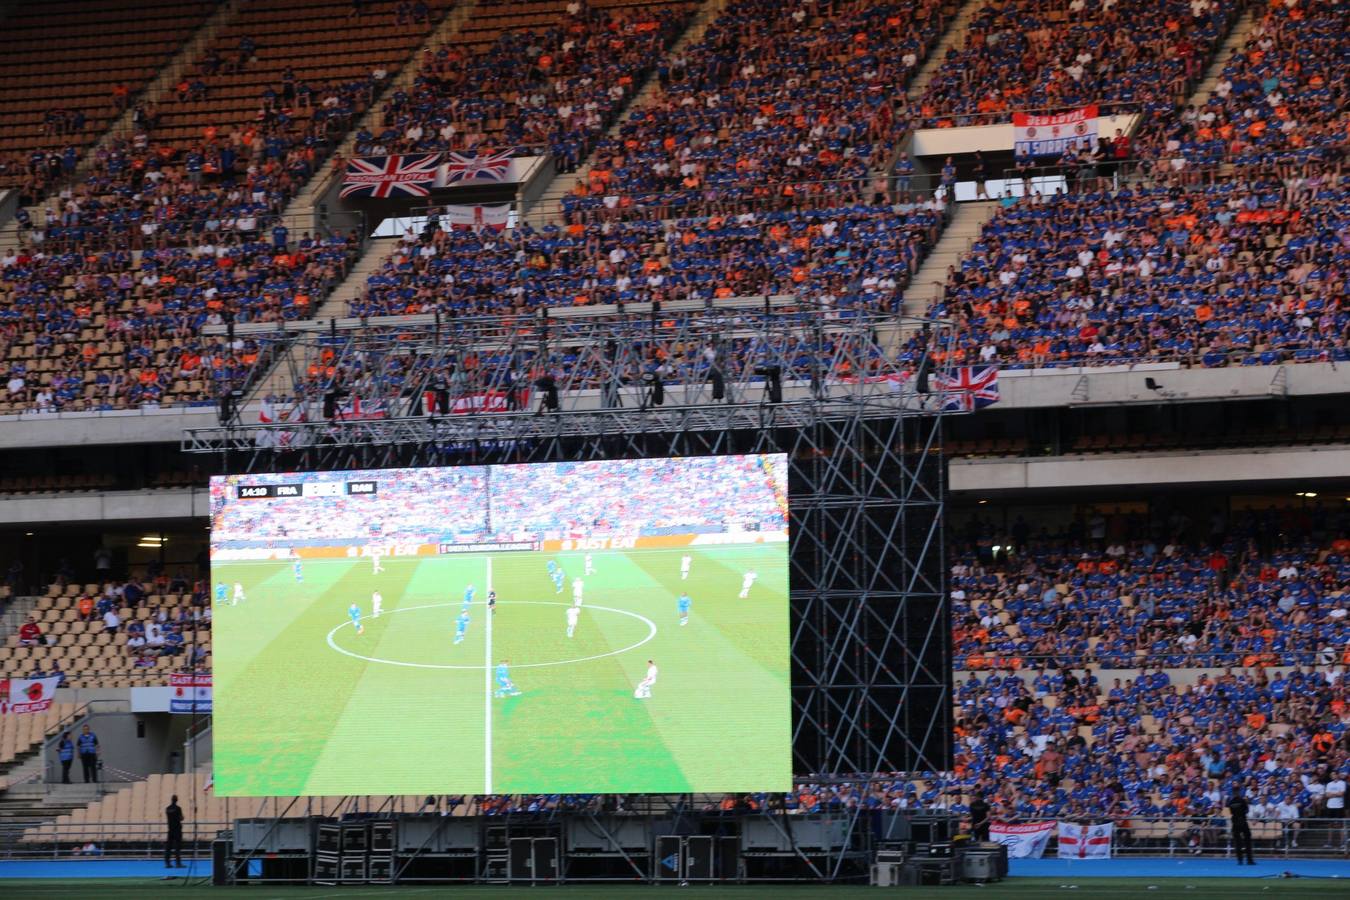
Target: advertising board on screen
x=598, y=627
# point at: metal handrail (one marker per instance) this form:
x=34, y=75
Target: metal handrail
x=1181, y=835
x=1005, y=116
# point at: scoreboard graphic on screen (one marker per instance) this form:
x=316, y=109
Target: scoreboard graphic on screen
x=598, y=627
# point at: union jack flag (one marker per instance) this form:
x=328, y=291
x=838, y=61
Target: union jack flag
x=967, y=388
x=459, y=167
x=383, y=176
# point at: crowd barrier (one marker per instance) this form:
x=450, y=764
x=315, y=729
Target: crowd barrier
x=1171, y=837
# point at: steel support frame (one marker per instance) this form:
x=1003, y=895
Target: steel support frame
x=871, y=635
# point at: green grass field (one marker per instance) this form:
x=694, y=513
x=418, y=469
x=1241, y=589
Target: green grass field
x=304, y=705
x=1023, y=888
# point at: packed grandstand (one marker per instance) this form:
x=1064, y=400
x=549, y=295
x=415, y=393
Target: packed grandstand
x=158, y=194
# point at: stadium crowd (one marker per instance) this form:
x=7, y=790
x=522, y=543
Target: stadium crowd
x=1044, y=55
x=838, y=259
x=555, y=88
x=749, y=172
x=1226, y=657
x=1242, y=271
x=769, y=110
x=1113, y=593
x=1279, y=101
x=102, y=303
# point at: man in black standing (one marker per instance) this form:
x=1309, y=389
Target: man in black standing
x=87, y=744
x=979, y=818
x=1242, y=832
x=173, y=843
x=65, y=751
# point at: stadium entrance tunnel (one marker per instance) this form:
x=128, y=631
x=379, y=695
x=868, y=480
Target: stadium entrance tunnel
x=531, y=633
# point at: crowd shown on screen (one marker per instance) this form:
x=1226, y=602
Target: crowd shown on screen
x=528, y=502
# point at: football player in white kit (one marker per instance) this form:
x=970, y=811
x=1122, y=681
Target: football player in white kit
x=685, y=562
x=590, y=569
x=376, y=601
x=644, y=688
x=577, y=586
x=238, y=595
x=376, y=568
x=573, y=613
x=747, y=582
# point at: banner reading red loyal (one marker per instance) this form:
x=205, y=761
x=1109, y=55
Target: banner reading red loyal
x=191, y=692
x=1022, y=841
x=27, y=695
x=1050, y=135
x=1085, y=841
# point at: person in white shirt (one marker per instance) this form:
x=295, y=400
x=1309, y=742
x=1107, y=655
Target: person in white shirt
x=685, y=562
x=376, y=602
x=573, y=614
x=1261, y=808
x=1335, y=809
x=747, y=582
x=1287, y=812
x=577, y=587
x=644, y=688
x=589, y=569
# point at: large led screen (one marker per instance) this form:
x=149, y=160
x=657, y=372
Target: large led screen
x=616, y=626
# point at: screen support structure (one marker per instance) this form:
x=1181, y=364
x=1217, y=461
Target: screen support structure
x=847, y=399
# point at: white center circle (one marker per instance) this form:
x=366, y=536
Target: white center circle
x=651, y=633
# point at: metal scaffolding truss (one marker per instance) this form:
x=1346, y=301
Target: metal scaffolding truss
x=871, y=672
x=691, y=354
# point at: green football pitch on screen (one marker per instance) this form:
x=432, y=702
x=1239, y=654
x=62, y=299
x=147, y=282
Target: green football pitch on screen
x=499, y=666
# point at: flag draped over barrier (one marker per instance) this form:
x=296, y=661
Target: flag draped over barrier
x=1022, y=841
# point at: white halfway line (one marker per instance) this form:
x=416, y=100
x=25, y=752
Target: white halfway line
x=487, y=698
x=346, y=623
